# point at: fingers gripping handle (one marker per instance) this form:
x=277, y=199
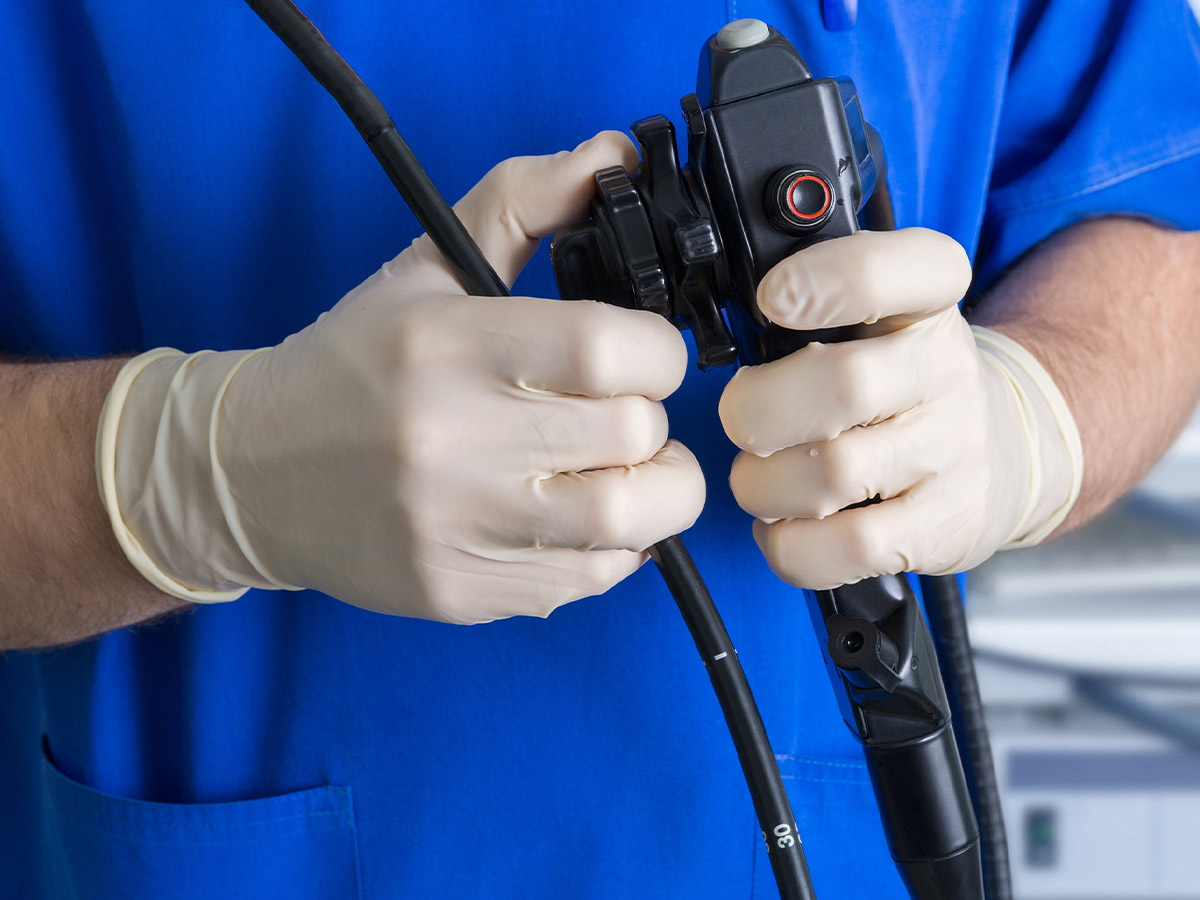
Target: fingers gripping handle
x=884, y=672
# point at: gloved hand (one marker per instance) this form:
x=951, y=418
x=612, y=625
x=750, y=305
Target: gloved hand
x=959, y=430
x=415, y=450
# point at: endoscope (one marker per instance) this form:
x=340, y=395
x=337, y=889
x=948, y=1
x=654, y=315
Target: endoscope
x=777, y=160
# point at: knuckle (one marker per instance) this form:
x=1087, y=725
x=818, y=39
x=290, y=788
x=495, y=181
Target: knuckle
x=598, y=572
x=742, y=478
x=872, y=548
x=608, y=518
x=732, y=409
x=842, y=471
x=411, y=349
x=443, y=609
x=504, y=177
x=417, y=337
x=671, y=353
x=438, y=601
x=953, y=262
x=637, y=428
x=779, y=552
x=592, y=341
x=861, y=544
x=874, y=279
x=853, y=378
x=544, y=606
x=791, y=570
x=542, y=598
x=507, y=187
x=943, y=558
x=421, y=437
x=745, y=480
x=690, y=494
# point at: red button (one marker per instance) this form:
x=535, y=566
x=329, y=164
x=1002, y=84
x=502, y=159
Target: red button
x=808, y=197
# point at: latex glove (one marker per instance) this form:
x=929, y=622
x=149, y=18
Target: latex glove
x=415, y=451
x=959, y=430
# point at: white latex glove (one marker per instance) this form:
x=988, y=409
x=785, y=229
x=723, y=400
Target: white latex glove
x=415, y=451
x=959, y=430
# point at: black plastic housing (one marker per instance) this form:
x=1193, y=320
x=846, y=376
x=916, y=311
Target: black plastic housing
x=884, y=669
x=693, y=243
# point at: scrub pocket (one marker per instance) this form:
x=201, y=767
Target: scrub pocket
x=298, y=845
x=838, y=823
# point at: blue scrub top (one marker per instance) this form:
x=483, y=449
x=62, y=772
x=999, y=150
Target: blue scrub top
x=170, y=175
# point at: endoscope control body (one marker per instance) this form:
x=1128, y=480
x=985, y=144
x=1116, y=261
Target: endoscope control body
x=778, y=160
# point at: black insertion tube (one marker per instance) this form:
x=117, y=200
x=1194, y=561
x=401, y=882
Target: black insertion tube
x=464, y=257
x=363, y=109
x=770, y=798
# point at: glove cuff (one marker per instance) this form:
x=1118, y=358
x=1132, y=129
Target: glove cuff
x=1056, y=452
x=161, y=482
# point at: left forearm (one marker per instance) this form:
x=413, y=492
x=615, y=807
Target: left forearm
x=1111, y=308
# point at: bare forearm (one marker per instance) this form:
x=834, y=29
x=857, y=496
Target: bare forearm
x=63, y=577
x=1111, y=309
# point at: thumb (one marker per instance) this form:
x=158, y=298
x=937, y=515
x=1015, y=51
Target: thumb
x=892, y=277
x=526, y=198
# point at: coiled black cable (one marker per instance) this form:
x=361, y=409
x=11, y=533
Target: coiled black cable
x=464, y=257
x=948, y=627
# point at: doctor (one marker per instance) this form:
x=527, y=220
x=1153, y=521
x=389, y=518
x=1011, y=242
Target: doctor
x=301, y=464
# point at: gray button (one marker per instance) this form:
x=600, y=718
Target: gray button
x=742, y=33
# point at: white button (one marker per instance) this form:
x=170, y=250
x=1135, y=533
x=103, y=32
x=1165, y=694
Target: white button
x=742, y=33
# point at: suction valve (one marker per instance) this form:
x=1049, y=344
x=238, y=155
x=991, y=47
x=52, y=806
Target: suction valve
x=798, y=200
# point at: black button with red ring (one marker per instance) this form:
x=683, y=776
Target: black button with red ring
x=798, y=200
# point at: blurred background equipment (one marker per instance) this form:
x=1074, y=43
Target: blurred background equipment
x=1088, y=651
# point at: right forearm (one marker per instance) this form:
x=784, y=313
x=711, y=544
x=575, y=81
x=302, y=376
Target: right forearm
x=63, y=577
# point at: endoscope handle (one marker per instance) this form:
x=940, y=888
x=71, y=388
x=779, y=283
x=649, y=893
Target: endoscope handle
x=883, y=668
x=884, y=671
x=926, y=810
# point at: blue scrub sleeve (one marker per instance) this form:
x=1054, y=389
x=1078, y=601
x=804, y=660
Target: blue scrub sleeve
x=1101, y=117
